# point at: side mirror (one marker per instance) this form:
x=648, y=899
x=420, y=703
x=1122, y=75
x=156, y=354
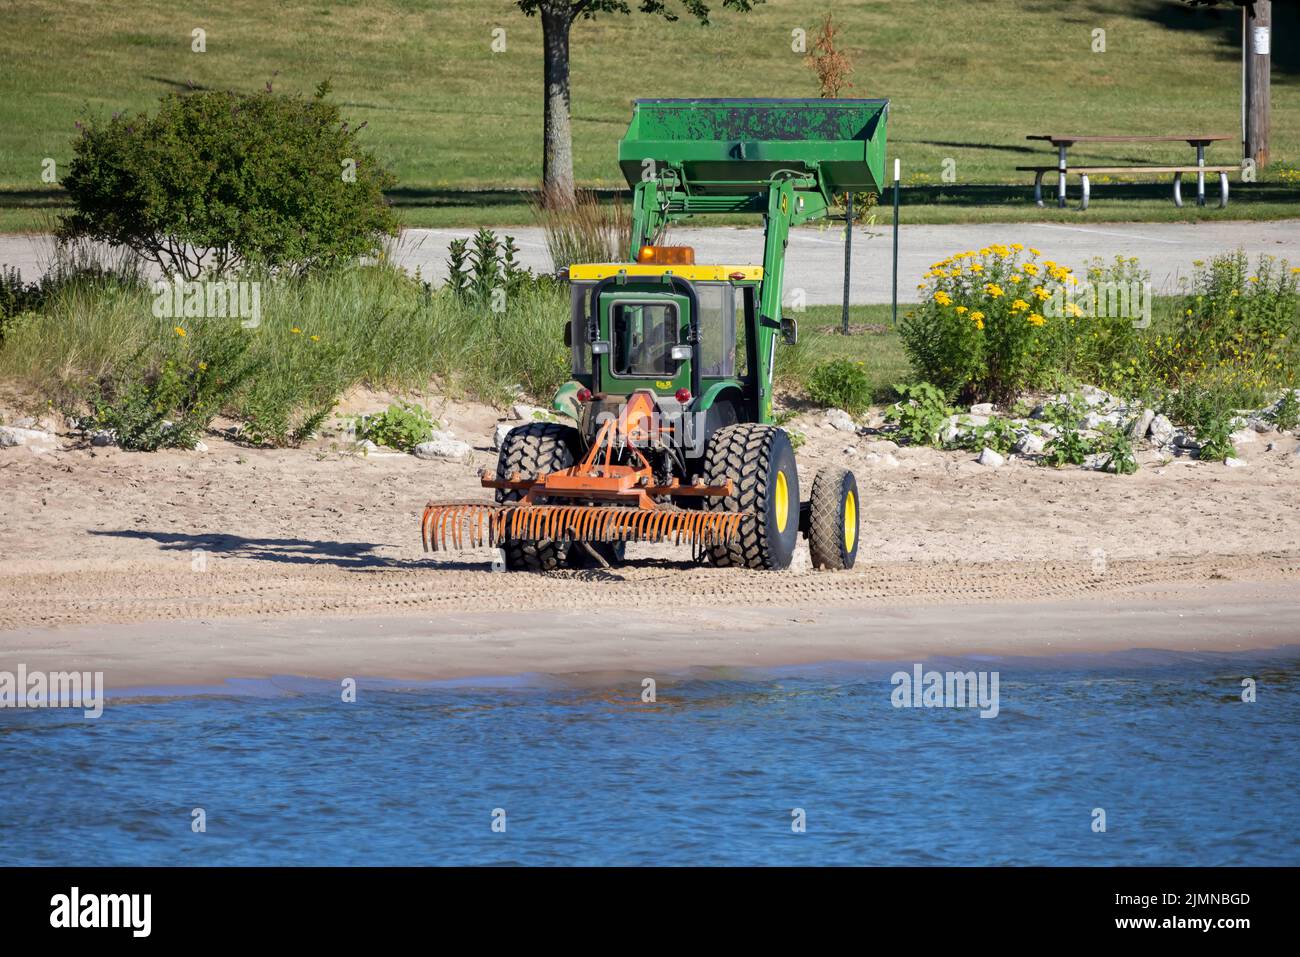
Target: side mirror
x=789, y=331
x=568, y=334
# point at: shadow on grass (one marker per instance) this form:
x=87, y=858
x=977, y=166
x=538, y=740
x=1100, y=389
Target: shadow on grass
x=411, y=197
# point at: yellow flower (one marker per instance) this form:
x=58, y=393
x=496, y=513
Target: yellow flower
x=976, y=267
x=993, y=289
x=1017, y=246
x=1016, y=277
x=1295, y=269
x=1031, y=268
x=942, y=298
x=1041, y=293
x=203, y=367
x=977, y=316
x=295, y=330
x=1034, y=252
x=315, y=338
x=179, y=331
x=1035, y=319
x=960, y=310
x=1019, y=305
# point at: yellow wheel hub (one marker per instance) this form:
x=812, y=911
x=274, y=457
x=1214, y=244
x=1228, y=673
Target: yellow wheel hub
x=782, y=502
x=850, y=521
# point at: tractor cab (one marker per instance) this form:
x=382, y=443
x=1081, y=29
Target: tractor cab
x=666, y=326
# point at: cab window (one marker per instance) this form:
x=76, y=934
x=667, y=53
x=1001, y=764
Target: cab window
x=644, y=333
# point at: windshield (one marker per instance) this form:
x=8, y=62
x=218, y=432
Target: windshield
x=644, y=334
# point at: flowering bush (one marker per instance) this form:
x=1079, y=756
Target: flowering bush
x=1238, y=324
x=980, y=332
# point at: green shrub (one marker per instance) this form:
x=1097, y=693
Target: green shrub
x=1103, y=349
x=222, y=179
x=920, y=414
x=1285, y=415
x=1214, y=436
x=1236, y=330
x=170, y=404
x=997, y=434
x=840, y=384
x=1120, y=457
x=402, y=426
x=1070, y=447
x=979, y=333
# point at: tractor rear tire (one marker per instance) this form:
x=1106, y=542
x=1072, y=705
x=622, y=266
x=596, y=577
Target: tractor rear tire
x=833, y=519
x=759, y=461
x=533, y=449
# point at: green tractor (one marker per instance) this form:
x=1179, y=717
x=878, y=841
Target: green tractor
x=671, y=396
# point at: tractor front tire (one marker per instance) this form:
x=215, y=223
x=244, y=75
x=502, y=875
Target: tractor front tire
x=537, y=448
x=759, y=461
x=833, y=519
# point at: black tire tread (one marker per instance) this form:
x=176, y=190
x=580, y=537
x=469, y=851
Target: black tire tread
x=742, y=453
x=533, y=449
x=825, y=520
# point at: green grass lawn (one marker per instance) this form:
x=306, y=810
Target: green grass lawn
x=967, y=81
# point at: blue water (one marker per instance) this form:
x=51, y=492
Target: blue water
x=1186, y=772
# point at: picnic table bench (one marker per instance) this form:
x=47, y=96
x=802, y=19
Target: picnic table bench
x=1062, y=142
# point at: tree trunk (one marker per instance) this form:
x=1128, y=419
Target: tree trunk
x=557, y=133
x=1257, y=42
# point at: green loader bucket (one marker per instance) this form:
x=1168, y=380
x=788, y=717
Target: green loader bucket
x=727, y=146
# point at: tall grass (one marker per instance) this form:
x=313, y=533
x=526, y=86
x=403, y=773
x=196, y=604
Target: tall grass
x=584, y=231
x=318, y=336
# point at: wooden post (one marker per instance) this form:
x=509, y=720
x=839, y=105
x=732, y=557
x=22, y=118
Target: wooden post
x=1258, y=46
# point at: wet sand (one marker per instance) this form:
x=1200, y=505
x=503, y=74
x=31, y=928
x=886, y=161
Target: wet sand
x=1216, y=616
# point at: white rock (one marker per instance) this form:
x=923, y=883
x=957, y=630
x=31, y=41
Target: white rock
x=850, y=450
x=990, y=458
x=1095, y=420
x=882, y=446
x=1261, y=425
x=443, y=446
x=200, y=446
x=982, y=408
x=841, y=420
x=1097, y=397
x=103, y=438
x=11, y=435
x=1161, y=431
x=499, y=437
x=1029, y=444
x=523, y=411
x=1235, y=463
x=366, y=446
x=1141, y=424
x=1243, y=436
x=873, y=460
x=974, y=419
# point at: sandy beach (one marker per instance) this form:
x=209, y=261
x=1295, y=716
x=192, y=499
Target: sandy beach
x=193, y=567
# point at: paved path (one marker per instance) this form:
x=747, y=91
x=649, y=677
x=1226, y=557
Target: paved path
x=816, y=257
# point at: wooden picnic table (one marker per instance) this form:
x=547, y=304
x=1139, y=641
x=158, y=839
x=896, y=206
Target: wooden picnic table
x=1063, y=141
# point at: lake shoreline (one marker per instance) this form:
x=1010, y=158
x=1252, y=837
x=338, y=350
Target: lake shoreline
x=598, y=646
